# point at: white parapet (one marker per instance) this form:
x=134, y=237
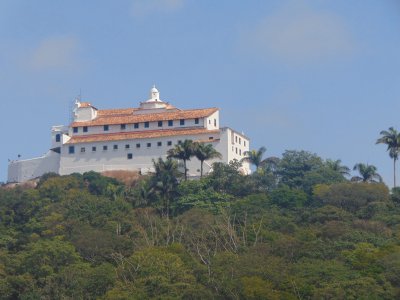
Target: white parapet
x=23, y=170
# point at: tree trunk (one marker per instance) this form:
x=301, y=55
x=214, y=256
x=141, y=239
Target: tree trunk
x=394, y=172
x=184, y=165
x=201, y=168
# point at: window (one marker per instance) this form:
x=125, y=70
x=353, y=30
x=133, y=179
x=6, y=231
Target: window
x=179, y=142
x=136, y=125
x=236, y=138
x=58, y=138
x=129, y=156
x=105, y=148
x=105, y=127
x=209, y=121
x=211, y=138
x=159, y=144
x=127, y=146
x=170, y=123
x=159, y=123
x=240, y=151
x=94, y=149
x=236, y=150
x=148, y=145
x=169, y=143
x=123, y=126
x=71, y=149
x=146, y=124
x=244, y=142
x=182, y=122
x=137, y=145
x=75, y=129
x=215, y=122
x=196, y=121
x=115, y=147
x=240, y=141
x=85, y=129
x=83, y=150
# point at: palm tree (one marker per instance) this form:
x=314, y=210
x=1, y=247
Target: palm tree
x=183, y=151
x=336, y=165
x=255, y=157
x=391, y=138
x=205, y=152
x=368, y=173
x=164, y=181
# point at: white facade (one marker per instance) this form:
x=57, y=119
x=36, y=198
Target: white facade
x=129, y=139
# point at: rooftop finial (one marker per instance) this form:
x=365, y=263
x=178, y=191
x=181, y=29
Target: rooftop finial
x=154, y=94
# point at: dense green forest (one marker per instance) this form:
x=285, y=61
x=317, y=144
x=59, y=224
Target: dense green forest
x=296, y=228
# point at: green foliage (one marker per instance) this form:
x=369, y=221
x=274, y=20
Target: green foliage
x=288, y=198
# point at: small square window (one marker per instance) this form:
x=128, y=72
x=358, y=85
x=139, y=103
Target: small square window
x=105, y=148
x=75, y=129
x=129, y=156
x=196, y=121
x=83, y=150
x=169, y=143
x=58, y=138
x=85, y=129
x=170, y=123
x=105, y=127
x=136, y=125
x=146, y=124
x=127, y=146
x=182, y=122
x=115, y=147
x=123, y=126
x=148, y=145
x=160, y=123
x=137, y=145
x=94, y=149
x=71, y=149
x=179, y=142
x=159, y=144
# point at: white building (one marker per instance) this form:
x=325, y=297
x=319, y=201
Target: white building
x=129, y=139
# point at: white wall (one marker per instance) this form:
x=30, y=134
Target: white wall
x=23, y=170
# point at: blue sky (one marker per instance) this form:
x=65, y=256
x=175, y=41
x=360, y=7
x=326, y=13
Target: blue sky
x=322, y=76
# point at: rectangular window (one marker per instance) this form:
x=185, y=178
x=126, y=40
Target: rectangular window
x=170, y=123
x=123, y=126
x=160, y=124
x=240, y=141
x=83, y=150
x=137, y=145
x=209, y=121
x=71, y=149
x=148, y=145
x=240, y=151
x=85, y=129
x=211, y=138
x=236, y=150
x=75, y=129
x=236, y=138
x=244, y=143
x=146, y=124
x=115, y=147
x=196, y=121
x=94, y=149
x=127, y=146
x=182, y=122
x=215, y=122
x=159, y=144
x=129, y=156
x=58, y=138
x=105, y=148
x=169, y=143
x=136, y=125
x=105, y=127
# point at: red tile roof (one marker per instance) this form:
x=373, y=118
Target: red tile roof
x=120, y=136
x=126, y=116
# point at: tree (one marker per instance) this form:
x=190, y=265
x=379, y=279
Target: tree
x=368, y=173
x=205, y=152
x=391, y=138
x=336, y=165
x=255, y=157
x=164, y=181
x=183, y=151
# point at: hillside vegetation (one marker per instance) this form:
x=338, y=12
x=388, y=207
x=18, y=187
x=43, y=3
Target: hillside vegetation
x=296, y=228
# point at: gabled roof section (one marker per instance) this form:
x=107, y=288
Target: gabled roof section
x=120, y=136
x=127, y=116
x=86, y=104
